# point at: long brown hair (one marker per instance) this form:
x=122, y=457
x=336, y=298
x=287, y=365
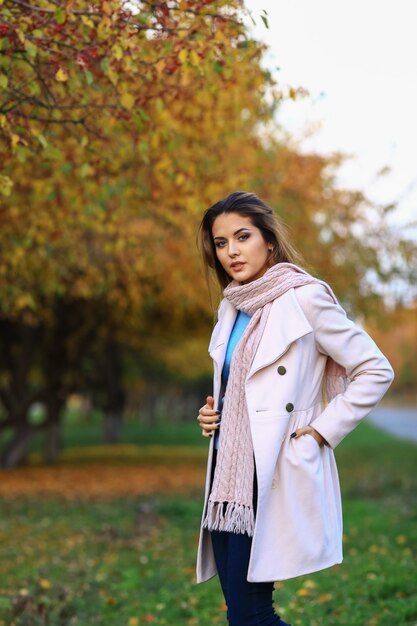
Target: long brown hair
x=273, y=230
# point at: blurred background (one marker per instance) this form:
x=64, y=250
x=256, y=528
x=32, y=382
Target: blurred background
x=120, y=123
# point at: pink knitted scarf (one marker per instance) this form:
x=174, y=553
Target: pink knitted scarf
x=230, y=504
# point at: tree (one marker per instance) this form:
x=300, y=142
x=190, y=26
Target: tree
x=98, y=264
x=97, y=212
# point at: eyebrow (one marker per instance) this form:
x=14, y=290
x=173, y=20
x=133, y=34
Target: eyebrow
x=235, y=233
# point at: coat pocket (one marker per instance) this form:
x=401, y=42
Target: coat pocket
x=304, y=451
x=269, y=415
x=309, y=448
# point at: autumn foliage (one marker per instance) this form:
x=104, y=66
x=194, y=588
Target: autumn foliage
x=119, y=125
x=398, y=338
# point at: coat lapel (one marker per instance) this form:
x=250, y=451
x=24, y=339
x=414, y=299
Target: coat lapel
x=286, y=322
x=221, y=333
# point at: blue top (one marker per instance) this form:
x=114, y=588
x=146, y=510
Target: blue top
x=241, y=321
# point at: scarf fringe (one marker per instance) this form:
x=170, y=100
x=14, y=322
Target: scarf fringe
x=237, y=518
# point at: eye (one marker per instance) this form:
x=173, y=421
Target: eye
x=219, y=244
x=243, y=237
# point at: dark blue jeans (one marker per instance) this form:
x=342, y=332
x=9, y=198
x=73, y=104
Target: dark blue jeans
x=248, y=604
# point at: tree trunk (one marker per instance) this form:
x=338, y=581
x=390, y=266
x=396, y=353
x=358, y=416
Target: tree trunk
x=16, y=451
x=52, y=441
x=112, y=427
x=115, y=395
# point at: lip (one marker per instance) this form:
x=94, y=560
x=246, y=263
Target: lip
x=237, y=266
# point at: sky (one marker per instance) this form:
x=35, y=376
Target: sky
x=358, y=60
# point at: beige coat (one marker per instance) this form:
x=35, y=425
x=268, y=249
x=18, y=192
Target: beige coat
x=298, y=527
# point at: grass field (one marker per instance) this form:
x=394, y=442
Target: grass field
x=109, y=537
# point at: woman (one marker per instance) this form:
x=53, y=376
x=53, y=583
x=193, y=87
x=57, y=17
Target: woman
x=302, y=377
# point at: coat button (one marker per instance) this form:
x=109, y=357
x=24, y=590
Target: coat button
x=274, y=484
x=289, y=407
x=281, y=370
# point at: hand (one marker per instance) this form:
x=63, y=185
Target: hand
x=208, y=418
x=309, y=430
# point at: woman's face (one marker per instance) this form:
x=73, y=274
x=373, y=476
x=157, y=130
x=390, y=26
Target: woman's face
x=240, y=247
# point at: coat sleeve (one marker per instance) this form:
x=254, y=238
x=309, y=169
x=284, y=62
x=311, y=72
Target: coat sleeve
x=369, y=371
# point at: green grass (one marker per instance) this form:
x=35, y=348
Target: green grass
x=130, y=561
x=77, y=432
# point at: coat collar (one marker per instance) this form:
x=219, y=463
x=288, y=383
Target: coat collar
x=286, y=323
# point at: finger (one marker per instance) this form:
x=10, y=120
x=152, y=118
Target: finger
x=210, y=413
x=209, y=419
x=299, y=432
x=206, y=407
x=206, y=410
x=209, y=426
x=209, y=403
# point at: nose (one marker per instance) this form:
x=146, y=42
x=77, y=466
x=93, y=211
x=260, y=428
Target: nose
x=232, y=248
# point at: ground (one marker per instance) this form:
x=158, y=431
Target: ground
x=109, y=537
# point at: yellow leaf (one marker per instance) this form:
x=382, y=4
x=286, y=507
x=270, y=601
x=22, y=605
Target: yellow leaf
x=86, y=20
x=164, y=163
x=160, y=66
x=106, y=8
x=113, y=76
x=195, y=59
x=127, y=101
x=117, y=51
x=61, y=75
x=42, y=140
x=32, y=50
x=303, y=592
x=4, y=81
x=15, y=139
x=180, y=179
x=45, y=583
x=103, y=30
x=324, y=597
x=183, y=55
x=155, y=141
x=133, y=621
x=129, y=64
x=401, y=539
x=20, y=34
x=6, y=185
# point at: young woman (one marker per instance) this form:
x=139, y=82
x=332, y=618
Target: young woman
x=302, y=376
